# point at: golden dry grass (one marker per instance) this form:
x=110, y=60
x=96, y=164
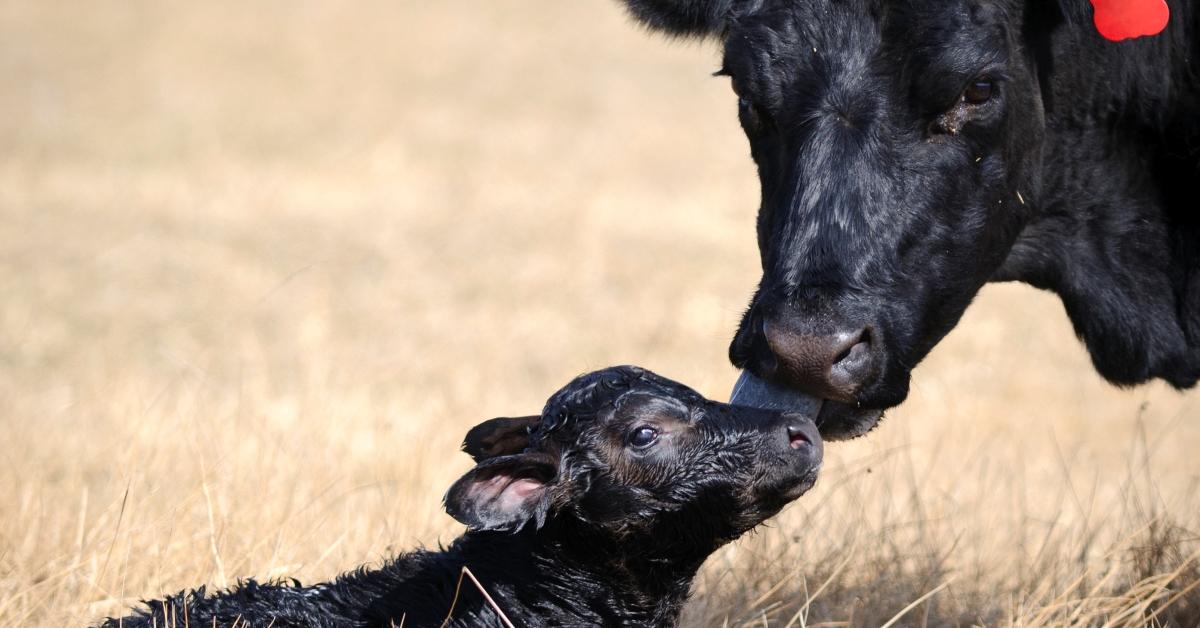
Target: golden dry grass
x=263, y=264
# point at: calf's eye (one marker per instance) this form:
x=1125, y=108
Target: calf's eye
x=978, y=92
x=643, y=436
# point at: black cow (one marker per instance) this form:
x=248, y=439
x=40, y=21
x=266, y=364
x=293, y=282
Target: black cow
x=598, y=512
x=910, y=151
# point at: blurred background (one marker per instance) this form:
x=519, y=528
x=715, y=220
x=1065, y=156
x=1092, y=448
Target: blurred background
x=263, y=263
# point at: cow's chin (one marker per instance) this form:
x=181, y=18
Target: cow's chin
x=837, y=421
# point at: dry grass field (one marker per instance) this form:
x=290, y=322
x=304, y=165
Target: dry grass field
x=263, y=263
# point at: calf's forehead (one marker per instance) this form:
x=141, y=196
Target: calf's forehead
x=595, y=399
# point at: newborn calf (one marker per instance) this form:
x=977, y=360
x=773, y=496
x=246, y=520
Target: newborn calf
x=599, y=511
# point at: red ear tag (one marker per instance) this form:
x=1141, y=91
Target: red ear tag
x=1126, y=19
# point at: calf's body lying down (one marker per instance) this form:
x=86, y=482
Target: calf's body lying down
x=598, y=511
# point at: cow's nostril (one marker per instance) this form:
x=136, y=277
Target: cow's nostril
x=852, y=365
x=833, y=364
x=854, y=351
x=855, y=356
x=853, y=346
x=768, y=363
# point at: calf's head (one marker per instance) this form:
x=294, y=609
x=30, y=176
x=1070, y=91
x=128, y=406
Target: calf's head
x=898, y=144
x=628, y=457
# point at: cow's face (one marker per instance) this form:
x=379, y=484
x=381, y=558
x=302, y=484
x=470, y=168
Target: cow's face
x=897, y=145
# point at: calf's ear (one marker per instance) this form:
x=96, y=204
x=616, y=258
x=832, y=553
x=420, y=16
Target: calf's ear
x=504, y=493
x=683, y=17
x=499, y=437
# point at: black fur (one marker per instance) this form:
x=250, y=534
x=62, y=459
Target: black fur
x=888, y=200
x=571, y=521
x=701, y=17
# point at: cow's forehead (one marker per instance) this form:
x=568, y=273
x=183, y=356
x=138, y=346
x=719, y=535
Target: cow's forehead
x=807, y=55
x=856, y=28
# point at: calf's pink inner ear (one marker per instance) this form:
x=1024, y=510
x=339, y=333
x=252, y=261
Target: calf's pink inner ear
x=1125, y=19
x=505, y=492
x=518, y=492
x=524, y=488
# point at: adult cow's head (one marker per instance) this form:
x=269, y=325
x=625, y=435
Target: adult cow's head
x=898, y=145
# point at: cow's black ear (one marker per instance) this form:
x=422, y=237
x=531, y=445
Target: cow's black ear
x=504, y=493
x=499, y=437
x=683, y=17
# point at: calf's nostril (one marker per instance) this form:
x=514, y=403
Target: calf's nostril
x=797, y=437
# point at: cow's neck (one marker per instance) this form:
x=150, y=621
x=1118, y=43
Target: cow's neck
x=1118, y=238
x=1117, y=233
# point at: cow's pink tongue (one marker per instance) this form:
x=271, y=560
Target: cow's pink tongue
x=1126, y=19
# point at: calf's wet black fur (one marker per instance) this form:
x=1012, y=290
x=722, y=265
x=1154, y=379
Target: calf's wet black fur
x=597, y=512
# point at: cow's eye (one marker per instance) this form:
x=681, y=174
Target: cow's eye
x=749, y=114
x=643, y=436
x=979, y=91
